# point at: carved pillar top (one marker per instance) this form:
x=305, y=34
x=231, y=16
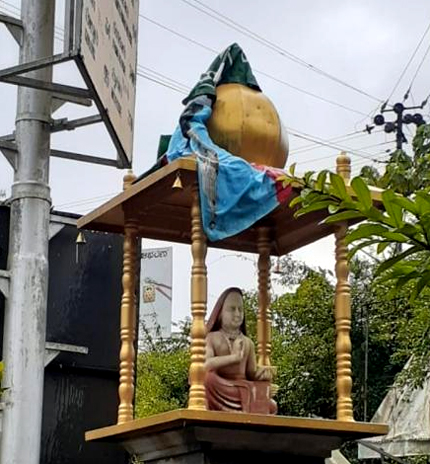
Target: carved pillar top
x=128, y=179
x=343, y=165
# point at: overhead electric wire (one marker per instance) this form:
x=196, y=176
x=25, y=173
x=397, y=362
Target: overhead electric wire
x=271, y=45
x=323, y=142
x=409, y=62
x=177, y=86
x=345, y=137
x=86, y=200
x=263, y=73
x=418, y=70
x=168, y=80
x=330, y=156
x=163, y=83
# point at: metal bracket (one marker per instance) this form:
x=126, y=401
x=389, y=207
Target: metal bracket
x=64, y=124
x=12, y=75
x=4, y=282
x=52, y=350
x=10, y=155
x=36, y=64
x=11, y=146
x=63, y=90
x=58, y=100
x=84, y=158
x=14, y=26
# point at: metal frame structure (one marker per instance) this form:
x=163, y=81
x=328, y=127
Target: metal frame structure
x=61, y=93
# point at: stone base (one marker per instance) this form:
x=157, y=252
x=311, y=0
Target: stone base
x=208, y=437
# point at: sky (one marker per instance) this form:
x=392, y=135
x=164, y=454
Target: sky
x=326, y=65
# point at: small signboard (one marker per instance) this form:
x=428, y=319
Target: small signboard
x=107, y=58
x=155, y=306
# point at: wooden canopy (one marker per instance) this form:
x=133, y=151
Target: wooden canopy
x=165, y=206
x=164, y=214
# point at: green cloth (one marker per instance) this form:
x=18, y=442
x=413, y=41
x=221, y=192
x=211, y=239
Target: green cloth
x=229, y=67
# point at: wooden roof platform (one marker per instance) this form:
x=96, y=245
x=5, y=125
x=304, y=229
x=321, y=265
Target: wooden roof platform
x=163, y=213
x=180, y=418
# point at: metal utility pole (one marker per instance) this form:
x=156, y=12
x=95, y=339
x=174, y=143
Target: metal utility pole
x=26, y=305
x=397, y=125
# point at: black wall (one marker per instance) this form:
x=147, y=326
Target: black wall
x=80, y=391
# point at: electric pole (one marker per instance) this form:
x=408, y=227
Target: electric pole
x=401, y=118
x=26, y=305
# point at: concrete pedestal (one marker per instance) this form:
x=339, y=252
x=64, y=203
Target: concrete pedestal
x=209, y=437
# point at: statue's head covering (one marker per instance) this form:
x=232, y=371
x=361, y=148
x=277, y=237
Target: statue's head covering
x=214, y=322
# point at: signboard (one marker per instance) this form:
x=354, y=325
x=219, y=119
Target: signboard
x=155, y=306
x=108, y=61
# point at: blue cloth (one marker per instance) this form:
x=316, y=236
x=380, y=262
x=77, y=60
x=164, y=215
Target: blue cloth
x=244, y=194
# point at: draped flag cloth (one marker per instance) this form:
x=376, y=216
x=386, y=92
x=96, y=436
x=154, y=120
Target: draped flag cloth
x=234, y=194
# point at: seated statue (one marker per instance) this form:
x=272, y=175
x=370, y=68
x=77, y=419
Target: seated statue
x=233, y=381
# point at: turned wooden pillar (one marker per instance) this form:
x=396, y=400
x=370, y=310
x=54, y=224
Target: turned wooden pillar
x=127, y=353
x=197, y=395
x=264, y=323
x=342, y=311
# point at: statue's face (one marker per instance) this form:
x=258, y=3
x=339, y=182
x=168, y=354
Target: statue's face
x=232, y=312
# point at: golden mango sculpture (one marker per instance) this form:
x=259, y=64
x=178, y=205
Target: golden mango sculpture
x=246, y=123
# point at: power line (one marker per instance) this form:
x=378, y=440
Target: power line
x=145, y=69
x=341, y=138
x=158, y=81
x=263, y=73
x=86, y=200
x=311, y=138
x=330, y=156
x=271, y=45
x=409, y=62
x=418, y=69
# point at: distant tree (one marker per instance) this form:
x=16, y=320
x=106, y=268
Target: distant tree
x=162, y=372
x=303, y=345
x=403, y=173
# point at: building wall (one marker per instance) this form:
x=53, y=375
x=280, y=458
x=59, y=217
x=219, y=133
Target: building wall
x=84, y=297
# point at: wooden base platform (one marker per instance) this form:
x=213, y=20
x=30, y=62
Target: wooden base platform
x=197, y=437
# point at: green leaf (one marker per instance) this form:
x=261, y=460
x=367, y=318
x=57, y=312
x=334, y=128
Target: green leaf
x=321, y=179
x=374, y=214
x=409, y=230
x=365, y=231
x=308, y=176
x=394, y=210
x=395, y=237
x=295, y=201
x=382, y=246
x=343, y=216
x=420, y=285
x=395, y=259
x=362, y=245
x=337, y=186
x=424, y=222
x=406, y=204
x=332, y=209
x=422, y=201
x=313, y=207
x=292, y=169
x=349, y=205
x=363, y=193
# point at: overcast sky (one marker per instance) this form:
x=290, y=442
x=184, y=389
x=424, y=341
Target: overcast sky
x=365, y=44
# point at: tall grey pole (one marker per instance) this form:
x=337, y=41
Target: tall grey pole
x=25, y=313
